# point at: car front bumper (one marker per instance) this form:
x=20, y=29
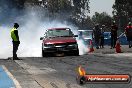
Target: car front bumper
x=60, y=49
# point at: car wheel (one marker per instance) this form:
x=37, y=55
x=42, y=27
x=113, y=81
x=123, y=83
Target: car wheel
x=43, y=54
x=76, y=53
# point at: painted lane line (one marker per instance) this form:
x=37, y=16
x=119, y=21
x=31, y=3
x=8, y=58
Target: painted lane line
x=12, y=77
x=5, y=81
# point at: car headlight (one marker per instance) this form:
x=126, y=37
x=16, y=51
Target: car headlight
x=48, y=46
x=73, y=45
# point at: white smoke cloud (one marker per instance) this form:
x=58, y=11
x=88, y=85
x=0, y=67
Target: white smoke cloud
x=83, y=48
x=5, y=42
x=30, y=32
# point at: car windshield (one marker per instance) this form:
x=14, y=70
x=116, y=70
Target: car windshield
x=106, y=35
x=86, y=33
x=59, y=33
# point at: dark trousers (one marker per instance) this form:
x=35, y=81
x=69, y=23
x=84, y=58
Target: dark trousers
x=15, y=48
x=129, y=39
x=97, y=42
x=102, y=42
x=130, y=44
x=113, y=41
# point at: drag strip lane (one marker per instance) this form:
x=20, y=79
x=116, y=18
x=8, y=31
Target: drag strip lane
x=65, y=68
x=46, y=76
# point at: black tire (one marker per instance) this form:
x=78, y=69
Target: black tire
x=43, y=54
x=76, y=53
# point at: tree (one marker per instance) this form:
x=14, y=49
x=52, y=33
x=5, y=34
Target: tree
x=57, y=7
x=122, y=9
x=76, y=10
x=81, y=8
x=102, y=19
x=53, y=6
x=65, y=5
x=80, y=11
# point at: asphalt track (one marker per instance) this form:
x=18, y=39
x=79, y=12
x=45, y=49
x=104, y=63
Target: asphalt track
x=61, y=72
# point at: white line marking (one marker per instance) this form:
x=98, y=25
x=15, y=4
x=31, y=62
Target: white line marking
x=12, y=77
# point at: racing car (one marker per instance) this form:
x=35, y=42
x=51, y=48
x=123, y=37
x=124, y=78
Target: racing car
x=59, y=40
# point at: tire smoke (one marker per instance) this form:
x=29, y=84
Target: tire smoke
x=30, y=30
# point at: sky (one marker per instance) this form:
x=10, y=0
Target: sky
x=101, y=6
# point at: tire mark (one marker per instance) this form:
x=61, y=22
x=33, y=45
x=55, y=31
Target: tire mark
x=68, y=85
x=54, y=85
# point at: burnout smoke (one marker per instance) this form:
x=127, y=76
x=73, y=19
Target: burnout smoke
x=83, y=48
x=5, y=42
x=31, y=28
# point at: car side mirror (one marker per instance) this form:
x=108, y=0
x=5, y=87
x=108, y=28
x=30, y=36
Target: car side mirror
x=41, y=38
x=75, y=36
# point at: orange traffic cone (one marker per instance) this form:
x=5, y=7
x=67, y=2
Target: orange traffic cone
x=91, y=49
x=118, y=46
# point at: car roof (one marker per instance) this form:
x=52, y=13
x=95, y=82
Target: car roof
x=58, y=28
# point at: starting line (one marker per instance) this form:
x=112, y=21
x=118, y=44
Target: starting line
x=7, y=80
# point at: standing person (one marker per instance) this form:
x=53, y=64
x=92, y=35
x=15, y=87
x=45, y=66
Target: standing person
x=102, y=37
x=97, y=33
x=114, y=29
x=128, y=32
x=15, y=40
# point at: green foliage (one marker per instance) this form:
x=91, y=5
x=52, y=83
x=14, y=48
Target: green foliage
x=65, y=5
x=81, y=8
x=53, y=6
x=80, y=12
x=122, y=12
x=123, y=8
x=74, y=10
x=102, y=19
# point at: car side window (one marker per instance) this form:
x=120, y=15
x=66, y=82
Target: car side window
x=48, y=33
x=71, y=33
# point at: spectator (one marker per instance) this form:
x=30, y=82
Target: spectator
x=128, y=32
x=102, y=37
x=97, y=34
x=15, y=40
x=114, y=29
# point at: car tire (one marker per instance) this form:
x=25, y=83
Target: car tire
x=43, y=54
x=76, y=53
